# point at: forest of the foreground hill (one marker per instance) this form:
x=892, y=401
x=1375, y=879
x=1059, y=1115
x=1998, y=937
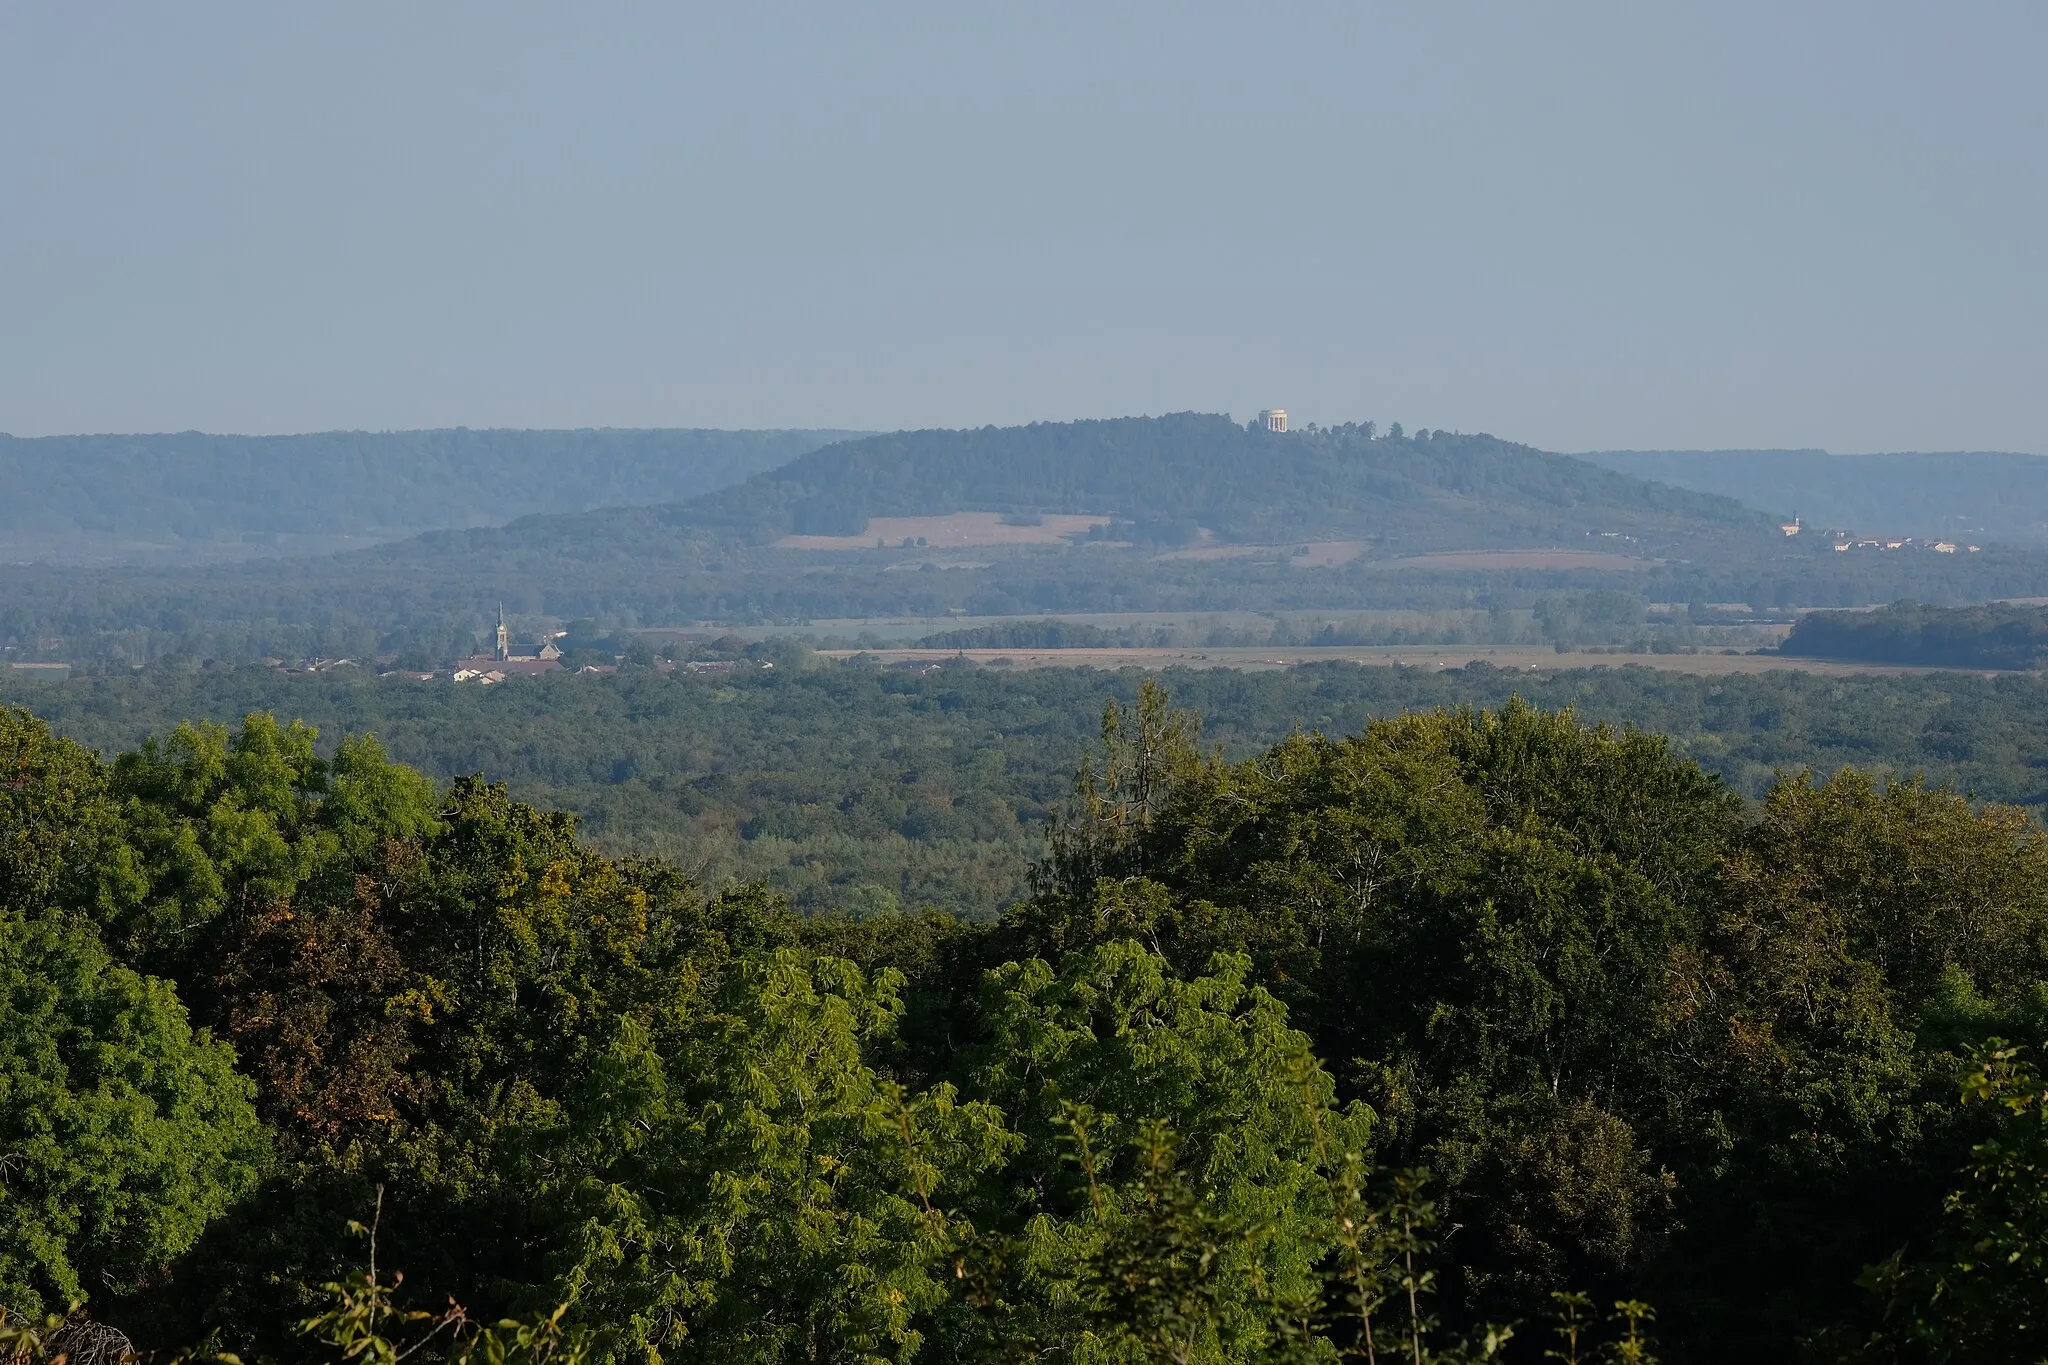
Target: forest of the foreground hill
x=1372, y=1047
x=851, y=787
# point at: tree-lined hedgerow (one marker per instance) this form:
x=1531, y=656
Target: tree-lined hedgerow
x=1472, y=1034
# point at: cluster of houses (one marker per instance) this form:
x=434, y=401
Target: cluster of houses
x=484, y=669
x=507, y=660
x=1848, y=540
x=1844, y=541
x=510, y=660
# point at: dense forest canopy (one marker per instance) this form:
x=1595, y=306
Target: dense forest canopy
x=1995, y=635
x=864, y=788
x=1981, y=495
x=116, y=497
x=1374, y=1044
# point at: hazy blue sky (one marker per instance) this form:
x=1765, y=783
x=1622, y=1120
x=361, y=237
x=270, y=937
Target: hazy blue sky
x=1585, y=225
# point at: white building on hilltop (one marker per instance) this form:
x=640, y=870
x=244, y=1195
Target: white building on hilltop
x=1273, y=419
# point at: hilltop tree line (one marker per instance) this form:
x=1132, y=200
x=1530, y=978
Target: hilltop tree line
x=110, y=497
x=1471, y=1034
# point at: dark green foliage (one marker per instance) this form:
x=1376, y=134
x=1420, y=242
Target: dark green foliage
x=62, y=842
x=1648, y=1042
x=1867, y=939
x=123, y=1131
x=425, y=1028
x=1641, y=1040
x=1997, y=635
x=243, y=822
x=1979, y=1292
x=1481, y=911
x=365, y=1324
x=738, y=1183
x=1169, y=1126
x=1158, y=1273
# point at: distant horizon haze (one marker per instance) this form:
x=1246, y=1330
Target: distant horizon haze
x=1583, y=226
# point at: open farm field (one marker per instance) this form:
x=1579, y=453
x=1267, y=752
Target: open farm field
x=1323, y=554
x=1556, y=560
x=1314, y=554
x=958, y=530
x=1199, y=553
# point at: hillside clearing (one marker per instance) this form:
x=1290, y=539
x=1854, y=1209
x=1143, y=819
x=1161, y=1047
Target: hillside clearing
x=957, y=530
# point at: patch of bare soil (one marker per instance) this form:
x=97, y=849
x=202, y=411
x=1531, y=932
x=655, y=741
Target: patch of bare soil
x=1218, y=552
x=1325, y=554
x=1313, y=554
x=957, y=531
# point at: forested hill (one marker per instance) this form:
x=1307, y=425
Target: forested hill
x=72, y=498
x=1981, y=495
x=1196, y=469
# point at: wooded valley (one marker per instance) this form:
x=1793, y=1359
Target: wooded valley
x=859, y=787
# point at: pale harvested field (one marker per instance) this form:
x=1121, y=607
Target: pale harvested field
x=1522, y=559
x=1219, y=552
x=1321, y=554
x=958, y=531
x=1446, y=656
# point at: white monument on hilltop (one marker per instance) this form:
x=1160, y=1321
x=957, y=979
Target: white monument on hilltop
x=1273, y=419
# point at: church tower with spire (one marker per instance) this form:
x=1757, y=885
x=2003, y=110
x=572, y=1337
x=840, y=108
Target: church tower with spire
x=504, y=635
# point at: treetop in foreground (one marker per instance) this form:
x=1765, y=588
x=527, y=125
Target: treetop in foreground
x=1418, y=1042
